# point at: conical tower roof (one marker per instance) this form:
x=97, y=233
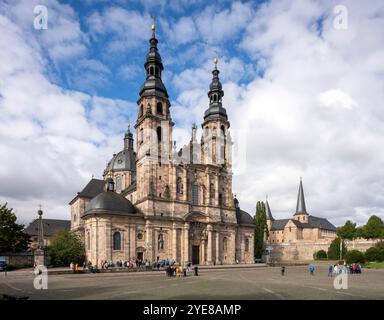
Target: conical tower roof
x=300, y=205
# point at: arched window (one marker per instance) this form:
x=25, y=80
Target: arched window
x=195, y=194
x=141, y=136
x=246, y=244
x=117, y=241
x=159, y=108
x=151, y=72
x=214, y=98
x=225, y=244
x=141, y=110
x=118, y=184
x=211, y=192
x=158, y=131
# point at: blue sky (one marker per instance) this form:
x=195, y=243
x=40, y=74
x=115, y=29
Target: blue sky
x=304, y=96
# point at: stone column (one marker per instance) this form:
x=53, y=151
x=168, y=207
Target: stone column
x=209, y=244
x=132, y=242
x=207, y=187
x=185, y=185
x=186, y=243
x=202, y=252
x=174, y=182
x=174, y=242
x=216, y=190
x=217, y=247
x=149, y=241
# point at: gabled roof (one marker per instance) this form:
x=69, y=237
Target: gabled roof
x=91, y=190
x=50, y=226
x=279, y=224
x=321, y=223
x=313, y=222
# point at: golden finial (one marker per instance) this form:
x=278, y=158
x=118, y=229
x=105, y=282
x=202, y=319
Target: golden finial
x=153, y=24
x=216, y=60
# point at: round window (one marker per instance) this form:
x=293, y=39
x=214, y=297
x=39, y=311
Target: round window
x=139, y=236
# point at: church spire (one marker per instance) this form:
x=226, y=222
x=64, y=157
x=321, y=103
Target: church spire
x=153, y=85
x=300, y=206
x=268, y=210
x=215, y=94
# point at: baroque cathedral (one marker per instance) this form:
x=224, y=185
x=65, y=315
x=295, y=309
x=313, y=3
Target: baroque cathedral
x=155, y=202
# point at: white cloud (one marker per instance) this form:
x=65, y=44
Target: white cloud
x=49, y=135
x=123, y=28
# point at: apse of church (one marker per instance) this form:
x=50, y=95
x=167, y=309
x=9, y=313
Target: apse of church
x=157, y=202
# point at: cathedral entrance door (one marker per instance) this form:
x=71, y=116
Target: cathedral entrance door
x=195, y=254
x=140, y=256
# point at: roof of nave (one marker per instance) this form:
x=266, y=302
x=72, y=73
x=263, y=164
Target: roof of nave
x=92, y=189
x=313, y=222
x=50, y=226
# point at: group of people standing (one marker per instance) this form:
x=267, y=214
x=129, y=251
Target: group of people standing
x=344, y=268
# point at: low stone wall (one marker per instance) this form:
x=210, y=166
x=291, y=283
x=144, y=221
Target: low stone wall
x=302, y=251
x=361, y=244
x=297, y=251
x=20, y=259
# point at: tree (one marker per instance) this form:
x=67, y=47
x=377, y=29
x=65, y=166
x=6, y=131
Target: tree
x=334, y=249
x=347, y=231
x=320, y=255
x=355, y=256
x=12, y=237
x=260, y=220
x=374, y=228
x=66, y=247
x=375, y=253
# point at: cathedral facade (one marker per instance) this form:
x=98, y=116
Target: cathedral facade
x=155, y=202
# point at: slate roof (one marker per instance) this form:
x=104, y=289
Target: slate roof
x=50, y=226
x=313, y=222
x=243, y=217
x=110, y=202
x=92, y=189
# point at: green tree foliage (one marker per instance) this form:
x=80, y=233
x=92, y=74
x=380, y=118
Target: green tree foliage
x=320, y=255
x=66, y=247
x=347, y=231
x=334, y=249
x=12, y=237
x=354, y=256
x=375, y=253
x=260, y=220
x=374, y=228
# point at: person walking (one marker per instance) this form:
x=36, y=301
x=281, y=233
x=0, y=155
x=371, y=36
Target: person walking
x=330, y=270
x=312, y=270
x=283, y=270
x=72, y=267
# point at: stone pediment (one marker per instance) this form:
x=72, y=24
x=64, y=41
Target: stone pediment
x=196, y=216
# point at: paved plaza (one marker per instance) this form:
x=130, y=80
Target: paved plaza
x=231, y=283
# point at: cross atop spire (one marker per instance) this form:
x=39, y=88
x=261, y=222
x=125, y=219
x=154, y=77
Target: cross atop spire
x=153, y=25
x=300, y=206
